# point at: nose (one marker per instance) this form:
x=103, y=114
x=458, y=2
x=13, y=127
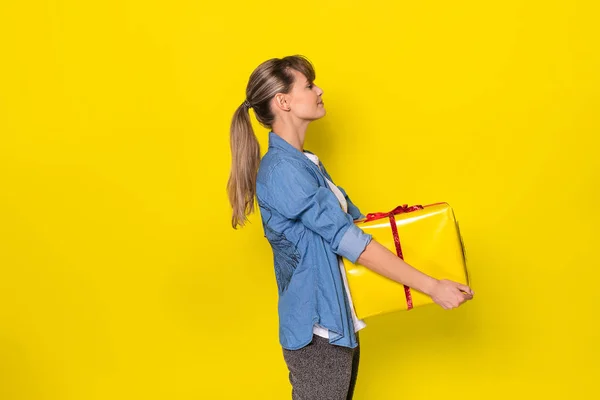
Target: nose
x=319, y=91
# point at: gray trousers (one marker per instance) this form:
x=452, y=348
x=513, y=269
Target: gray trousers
x=322, y=371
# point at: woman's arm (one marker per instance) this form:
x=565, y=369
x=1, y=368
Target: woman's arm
x=446, y=293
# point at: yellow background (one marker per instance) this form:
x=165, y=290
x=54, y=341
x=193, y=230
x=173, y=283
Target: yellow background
x=121, y=278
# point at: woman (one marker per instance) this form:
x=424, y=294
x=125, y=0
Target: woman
x=308, y=221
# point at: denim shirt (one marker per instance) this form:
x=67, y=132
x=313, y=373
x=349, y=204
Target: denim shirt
x=307, y=230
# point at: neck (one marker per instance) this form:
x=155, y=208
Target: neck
x=294, y=135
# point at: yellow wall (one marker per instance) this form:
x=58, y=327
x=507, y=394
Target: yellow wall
x=120, y=277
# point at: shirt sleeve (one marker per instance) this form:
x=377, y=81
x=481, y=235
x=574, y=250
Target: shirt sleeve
x=293, y=190
x=353, y=210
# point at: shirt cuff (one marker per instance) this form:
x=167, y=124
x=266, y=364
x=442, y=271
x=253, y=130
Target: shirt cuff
x=353, y=243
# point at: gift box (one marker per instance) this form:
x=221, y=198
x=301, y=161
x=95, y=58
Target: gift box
x=426, y=237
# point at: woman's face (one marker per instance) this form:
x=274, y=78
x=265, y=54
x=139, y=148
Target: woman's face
x=305, y=99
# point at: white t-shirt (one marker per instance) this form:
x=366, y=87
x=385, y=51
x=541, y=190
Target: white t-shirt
x=358, y=323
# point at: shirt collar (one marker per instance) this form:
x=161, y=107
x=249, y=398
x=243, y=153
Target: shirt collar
x=276, y=141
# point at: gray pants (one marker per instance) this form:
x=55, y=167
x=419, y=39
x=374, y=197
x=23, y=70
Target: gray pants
x=322, y=371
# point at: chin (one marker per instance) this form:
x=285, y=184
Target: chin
x=318, y=115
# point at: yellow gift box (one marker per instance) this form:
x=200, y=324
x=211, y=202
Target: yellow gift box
x=427, y=238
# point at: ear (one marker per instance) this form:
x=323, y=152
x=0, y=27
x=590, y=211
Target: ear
x=282, y=101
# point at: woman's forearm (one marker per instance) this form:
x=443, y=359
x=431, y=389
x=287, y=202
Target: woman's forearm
x=381, y=260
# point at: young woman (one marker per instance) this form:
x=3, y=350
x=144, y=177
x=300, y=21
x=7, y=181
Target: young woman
x=308, y=221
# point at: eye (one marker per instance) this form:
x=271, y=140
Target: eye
x=310, y=86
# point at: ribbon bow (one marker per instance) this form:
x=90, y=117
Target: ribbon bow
x=398, y=210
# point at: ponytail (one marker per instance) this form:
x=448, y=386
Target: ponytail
x=245, y=158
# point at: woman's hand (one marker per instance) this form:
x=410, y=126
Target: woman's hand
x=449, y=294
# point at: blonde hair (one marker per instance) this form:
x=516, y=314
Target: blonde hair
x=269, y=78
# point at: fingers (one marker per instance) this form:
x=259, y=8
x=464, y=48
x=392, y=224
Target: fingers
x=465, y=296
x=464, y=288
x=465, y=291
x=451, y=302
x=454, y=300
x=452, y=294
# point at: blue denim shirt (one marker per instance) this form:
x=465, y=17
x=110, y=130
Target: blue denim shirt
x=307, y=230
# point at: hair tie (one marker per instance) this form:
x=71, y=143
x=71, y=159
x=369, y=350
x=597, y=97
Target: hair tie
x=247, y=104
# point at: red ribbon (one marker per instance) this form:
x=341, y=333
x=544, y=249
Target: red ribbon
x=398, y=210
x=391, y=215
